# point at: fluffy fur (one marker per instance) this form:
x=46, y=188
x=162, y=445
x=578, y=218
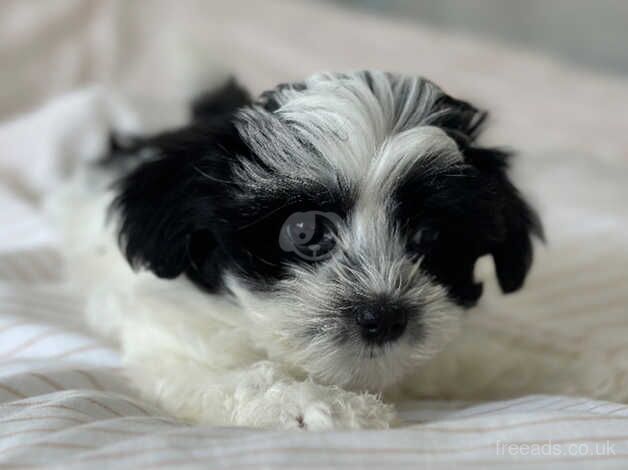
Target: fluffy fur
x=251, y=333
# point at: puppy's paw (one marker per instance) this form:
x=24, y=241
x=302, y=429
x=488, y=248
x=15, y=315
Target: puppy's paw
x=286, y=404
x=340, y=409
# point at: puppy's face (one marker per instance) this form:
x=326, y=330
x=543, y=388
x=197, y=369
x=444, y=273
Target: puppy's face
x=344, y=214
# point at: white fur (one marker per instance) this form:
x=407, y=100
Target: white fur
x=189, y=352
x=348, y=127
x=201, y=359
x=244, y=360
x=344, y=131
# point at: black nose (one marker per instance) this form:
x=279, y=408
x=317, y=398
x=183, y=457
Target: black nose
x=381, y=322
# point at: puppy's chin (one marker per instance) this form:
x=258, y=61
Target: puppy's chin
x=319, y=343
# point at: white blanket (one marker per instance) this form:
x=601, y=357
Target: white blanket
x=63, y=398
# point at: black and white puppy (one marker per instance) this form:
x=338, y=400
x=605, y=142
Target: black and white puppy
x=330, y=230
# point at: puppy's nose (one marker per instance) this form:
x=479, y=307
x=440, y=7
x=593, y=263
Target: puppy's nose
x=381, y=322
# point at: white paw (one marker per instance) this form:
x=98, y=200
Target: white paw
x=312, y=407
x=341, y=409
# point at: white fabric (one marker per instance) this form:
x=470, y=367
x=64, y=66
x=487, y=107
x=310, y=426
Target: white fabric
x=63, y=398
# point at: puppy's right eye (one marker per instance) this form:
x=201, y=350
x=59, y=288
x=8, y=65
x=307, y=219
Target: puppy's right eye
x=310, y=235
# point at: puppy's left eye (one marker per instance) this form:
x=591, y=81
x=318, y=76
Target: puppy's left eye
x=310, y=235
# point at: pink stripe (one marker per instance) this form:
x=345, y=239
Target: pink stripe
x=105, y=407
x=48, y=381
x=11, y=390
x=36, y=418
x=90, y=378
x=31, y=342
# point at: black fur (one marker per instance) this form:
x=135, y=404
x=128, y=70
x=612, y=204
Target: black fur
x=473, y=207
x=215, y=104
x=165, y=202
x=182, y=211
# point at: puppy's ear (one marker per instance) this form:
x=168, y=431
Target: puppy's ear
x=167, y=206
x=214, y=104
x=152, y=232
x=514, y=222
x=156, y=205
x=462, y=121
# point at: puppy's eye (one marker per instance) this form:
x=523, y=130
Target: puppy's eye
x=310, y=235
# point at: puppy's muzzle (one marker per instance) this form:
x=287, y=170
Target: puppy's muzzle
x=380, y=320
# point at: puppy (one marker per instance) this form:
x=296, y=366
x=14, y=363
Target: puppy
x=303, y=256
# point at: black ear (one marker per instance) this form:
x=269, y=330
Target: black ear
x=214, y=104
x=153, y=231
x=166, y=206
x=517, y=221
x=513, y=221
x=462, y=121
x=160, y=203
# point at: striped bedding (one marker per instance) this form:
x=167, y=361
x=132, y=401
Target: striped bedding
x=64, y=402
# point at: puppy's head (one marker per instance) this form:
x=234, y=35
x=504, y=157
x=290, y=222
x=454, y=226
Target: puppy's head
x=344, y=214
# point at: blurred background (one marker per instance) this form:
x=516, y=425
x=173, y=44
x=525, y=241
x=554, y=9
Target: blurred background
x=552, y=72
x=585, y=32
